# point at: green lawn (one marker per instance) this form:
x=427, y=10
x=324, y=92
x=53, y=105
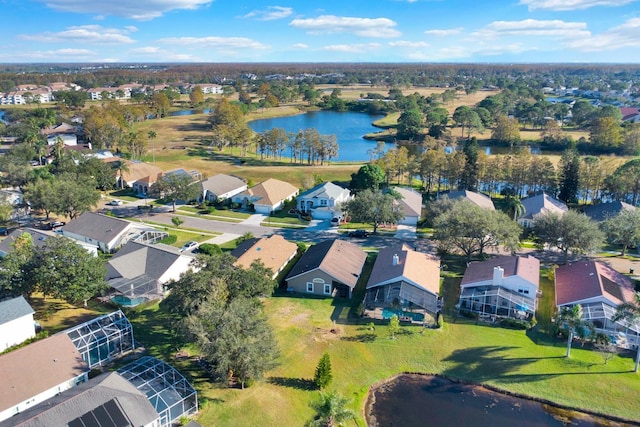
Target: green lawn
x=218, y=213
x=526, y=362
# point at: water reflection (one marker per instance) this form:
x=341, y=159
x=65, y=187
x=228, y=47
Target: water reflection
x=420, y=400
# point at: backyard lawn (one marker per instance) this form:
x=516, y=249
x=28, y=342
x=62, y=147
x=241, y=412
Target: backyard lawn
x=527, y=363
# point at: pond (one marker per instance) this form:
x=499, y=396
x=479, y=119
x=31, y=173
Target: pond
x=421, y=400
x=348, y=127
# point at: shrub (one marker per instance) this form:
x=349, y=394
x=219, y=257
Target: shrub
x=514, y=323
x=210, y=249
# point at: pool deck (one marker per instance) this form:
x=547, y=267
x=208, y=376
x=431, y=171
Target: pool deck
x=376, y=313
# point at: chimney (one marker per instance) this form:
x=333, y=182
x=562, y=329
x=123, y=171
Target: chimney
x=396, y=259
x=498, y=274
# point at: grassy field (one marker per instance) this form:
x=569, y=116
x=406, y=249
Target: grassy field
x=529, y=363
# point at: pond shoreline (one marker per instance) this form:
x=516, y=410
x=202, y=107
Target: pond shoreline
x=380, y=386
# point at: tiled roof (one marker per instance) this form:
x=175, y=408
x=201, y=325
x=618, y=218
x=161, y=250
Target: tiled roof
x=526, y=267
x=421, y=269
x=271, y=192
x=14, y=308
x=338, y=258
x=140, y=170
x=478, y=199
x=37, y=367
x=590, y=279
x=274, y=251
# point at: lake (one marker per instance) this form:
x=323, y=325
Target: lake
x=348, y=127
x=421, y=400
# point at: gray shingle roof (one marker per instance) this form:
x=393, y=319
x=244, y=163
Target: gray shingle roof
x=221, y=184
x=109, y=391
x=135, y=259
x=604, y=211
x=478, y=199
x=327, y=190
x=541, y=204
x=13, y=309
x=101, y=228
x=38, y=237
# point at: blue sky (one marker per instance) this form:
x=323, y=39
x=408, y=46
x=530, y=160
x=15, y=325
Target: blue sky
x=467, y=31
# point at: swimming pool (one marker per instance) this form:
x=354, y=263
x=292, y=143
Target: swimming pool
x=388, y=312
x=123, y=301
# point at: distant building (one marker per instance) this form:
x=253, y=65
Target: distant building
x=410, y=205
x=274, y=252
x=477, y=199
x=323, y=200
x=538, y=205
x=268, y=196
x=603, y=211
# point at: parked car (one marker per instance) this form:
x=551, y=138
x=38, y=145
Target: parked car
x=359, y=233
x=115, y=202
x=56, y=224
x=189, y=246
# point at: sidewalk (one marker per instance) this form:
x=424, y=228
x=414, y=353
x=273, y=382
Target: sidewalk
x=255, y=219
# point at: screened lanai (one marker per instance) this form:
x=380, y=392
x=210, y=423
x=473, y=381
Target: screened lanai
x=621, y=333
x=102, y=339
x=132, y=292
x=497, y=301
x=168, y=391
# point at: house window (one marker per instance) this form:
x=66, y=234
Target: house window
x=524, y=291
x=309, y=286
x=327, y=289
x=323, y=203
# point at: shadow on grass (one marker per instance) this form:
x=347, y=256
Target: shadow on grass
x=297, y=383
x=481, y=364
x=360, y=338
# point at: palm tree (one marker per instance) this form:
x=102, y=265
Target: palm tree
x=331, y=411
x=572, y=317
x=152, y=136
x=122, y=169
x=629, y=313
x=514, y=205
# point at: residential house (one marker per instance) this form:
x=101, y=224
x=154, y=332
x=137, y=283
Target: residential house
x=108, y=233
x=220, y=187
x=599, y=289
x=604, y=211
x=39, y=238
x=323, y=200
x=630, y=114
x=329, y=268
x=138, y=272
x=268, y=196
x=477, y=199
x=107, y=400
x=137, y=175
x=505, y=286
x=540, y=204
x=16, y=322
x=37, y=372
x=406, y=278
x=274, y=252
x=410, y=204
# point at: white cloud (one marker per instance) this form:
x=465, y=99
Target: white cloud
x=145, y=50
x=55, y=55
x=405, y=43
x=623, y=36
x=364, y=27
x=571, y=4
x=154, y=52
x=352, y=48
x=216, y=42
x=534, y=28
x=134, y=9
x=444, y=32
x=272, y=13
x=85, y=34
x=300, y=46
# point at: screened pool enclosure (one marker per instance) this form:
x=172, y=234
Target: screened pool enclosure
x=102, y=339
x=168, y=391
